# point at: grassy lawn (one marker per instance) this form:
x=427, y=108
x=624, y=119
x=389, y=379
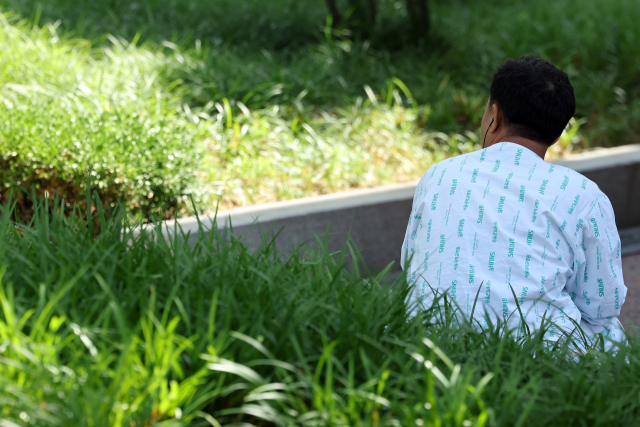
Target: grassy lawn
x=249, y=102
x=121, y=330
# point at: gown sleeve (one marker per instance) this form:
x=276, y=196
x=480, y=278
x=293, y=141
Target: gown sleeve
x=408, y=245
x=598, y=288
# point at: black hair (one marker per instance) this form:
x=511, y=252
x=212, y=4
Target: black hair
x=536, y=98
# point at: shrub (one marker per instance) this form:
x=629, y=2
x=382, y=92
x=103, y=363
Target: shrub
x=64, y=110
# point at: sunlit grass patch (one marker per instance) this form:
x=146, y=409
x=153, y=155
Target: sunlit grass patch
x=269, y=155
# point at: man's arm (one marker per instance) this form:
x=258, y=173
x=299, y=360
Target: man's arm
x=598, y=289
x=408, y=245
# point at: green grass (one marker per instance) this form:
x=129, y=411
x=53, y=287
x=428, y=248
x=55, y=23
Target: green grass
x=249, y=102
x=128, y=330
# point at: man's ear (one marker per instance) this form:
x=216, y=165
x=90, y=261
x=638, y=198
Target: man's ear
x=498, y=123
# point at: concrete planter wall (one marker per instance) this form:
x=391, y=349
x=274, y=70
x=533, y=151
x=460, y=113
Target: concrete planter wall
x=377, y=218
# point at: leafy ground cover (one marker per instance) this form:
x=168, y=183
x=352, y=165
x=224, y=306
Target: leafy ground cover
x=248, y=102
x=128, y=329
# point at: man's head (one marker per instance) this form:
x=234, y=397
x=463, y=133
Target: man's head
x=529, y=98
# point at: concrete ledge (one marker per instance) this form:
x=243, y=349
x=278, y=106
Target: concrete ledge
x=268, y=212
x=617, y=173
x=630, y=239
x=382, y=212
x=602, y=158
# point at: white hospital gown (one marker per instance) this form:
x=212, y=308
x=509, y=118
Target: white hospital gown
x=503, y=216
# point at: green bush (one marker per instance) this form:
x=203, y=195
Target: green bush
x=64, y=111
x=53, y=157
x=130, y=329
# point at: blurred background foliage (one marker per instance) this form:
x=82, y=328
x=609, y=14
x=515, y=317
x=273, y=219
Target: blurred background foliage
x=263, y=101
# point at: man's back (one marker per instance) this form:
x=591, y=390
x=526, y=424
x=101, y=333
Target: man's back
x=504, y=217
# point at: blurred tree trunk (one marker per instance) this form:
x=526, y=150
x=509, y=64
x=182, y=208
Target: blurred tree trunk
x=357, y=6
x=364, y=16
x=418, y=11
x=425, y=19
x=335, y=13
x=372, y=12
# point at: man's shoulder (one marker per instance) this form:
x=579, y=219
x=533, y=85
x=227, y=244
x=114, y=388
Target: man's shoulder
x=455, y=161
x=573, y=180
x=583, y=192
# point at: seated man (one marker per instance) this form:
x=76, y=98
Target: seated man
x=502, y=217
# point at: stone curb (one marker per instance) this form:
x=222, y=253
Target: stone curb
x=268, y=212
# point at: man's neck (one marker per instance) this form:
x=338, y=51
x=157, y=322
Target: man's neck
x=537, y=147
